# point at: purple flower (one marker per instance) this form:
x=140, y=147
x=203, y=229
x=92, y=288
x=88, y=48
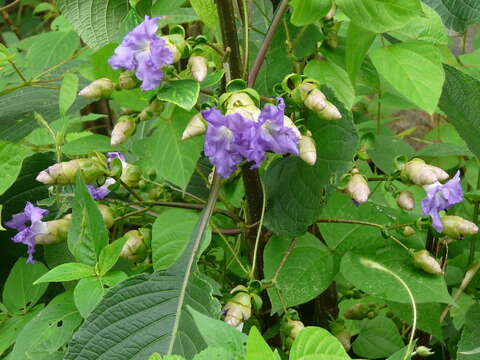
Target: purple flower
x=143, y=52
x=441, y=197
x=28, y=224
x=116, y=154
x=101, y=192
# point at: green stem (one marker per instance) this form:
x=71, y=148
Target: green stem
x=284, y=260
x=259, y=231
x=204, y=220
x=473, y=240
x=245, y=38
x=347, y=221
x=234, y=254
x=17, y=70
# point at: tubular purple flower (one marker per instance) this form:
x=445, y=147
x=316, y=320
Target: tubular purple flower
x=441, y=197
x=143, y=52
x=101, y=192
x=29, y=224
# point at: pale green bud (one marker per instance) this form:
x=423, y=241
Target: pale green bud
x=315, y=101
x=290, y=124
x=428, y=263
x=134, y=249
x=171, y=46
x=406, y=201
x=307, y=149
x=106, y=215
x=122, y=130
x=239, y=308
x=420, y=173
x=330, y=112
x=131, y=175
x=239, y=99
x=57, y=232
x=356, y=312
x=199, y=67
x=65, y=172
x=292, y=329
x=357, y=187
x=456, y=227
x=423, y=351
x=127, y=80
x=196, y=126
x=331, y=12
x=101, y=88
x=248, y=111
x=408, y=231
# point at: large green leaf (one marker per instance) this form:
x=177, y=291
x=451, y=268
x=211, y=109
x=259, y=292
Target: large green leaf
x=314, y=343
x=358, y=42
x=87, y=294
x=380, y=16
x=175, y=159
x=19, y=293
x=459, y=101
x=456, y=14
x=42, y=337
x=414, y=69
x=171, y=233
x=424, y=286
x=11, y=158
x=378, y=338
x=207, y=12
x=307, y=272
x=183, y=93
x=257, y=347
x=469, y=344
x=308, y=11
x=96, y=21
x=296, y=190
x=87, y=234
x=67, y=272
x=85, y=144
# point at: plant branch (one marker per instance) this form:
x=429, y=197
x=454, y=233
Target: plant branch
x=234, y=254
x=284, y=260
x=259, y=231
x=130, y=190
x=347, y=221
x=252, y=77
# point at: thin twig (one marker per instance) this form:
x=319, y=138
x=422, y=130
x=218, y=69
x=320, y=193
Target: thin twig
x=6, y=7
x=284, y=260
x=130, y=190
x=347, y=221
x=235, y=255
x=259, y=231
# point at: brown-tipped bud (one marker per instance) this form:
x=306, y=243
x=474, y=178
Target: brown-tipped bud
x=134, y=249
x=107, y=215
x=65, y=172
x=331, y=12
x=408, y=231
x=456, y=227
x=199, y=67
x=330, y=112
x=292, y=329
x=428, y=263
x=357, y=187
x=57, y=232
x=406, y=201
x=307, y=149
x=315, y=101
x=101, y=88
x=131, y=175
x=127, y=80
x=197, y=126
x=122, y=130
x=238, y=309
x=420, y=173
x=287, y=122
x=357, y=312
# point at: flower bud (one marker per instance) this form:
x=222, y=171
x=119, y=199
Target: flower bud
x=331, y=12
x=422, y=174
x=151, y=110
x=65, y=172
x=195, y=127
x=239, y=308
x=315, y=101
x=292, y=328
x=122, y=130
x=307, y=149
x=287, y=122
x=199, y=67
x=134, y=249
x=171, y=46
x=131, y=175
x=423, y=351
x=57, y=231
x=330, y=112
x=127, y=80
x=428, y=263
x=357, y=311
x=238, y=99
x=456, y=227
x=248, y=111
x=408, y=231
x=101, y=88
x=357, y=187
x=106, y=215
x=406, y=201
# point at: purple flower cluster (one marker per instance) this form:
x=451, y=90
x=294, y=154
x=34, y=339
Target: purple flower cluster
x=29, y=224
x=101, y=192
x=441, y=197
x=231, y=138
x=143, y=52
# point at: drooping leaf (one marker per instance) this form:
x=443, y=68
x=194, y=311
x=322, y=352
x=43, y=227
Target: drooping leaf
x=358, y=42
x=308, y=270
x=67, y=272
x=11, y=158
x=414, y=69
x=317, y=344
x=456, y=14
x=469, y=344
x=68, y=92
x=308, y=11
x=183, y=93
x=96, y=21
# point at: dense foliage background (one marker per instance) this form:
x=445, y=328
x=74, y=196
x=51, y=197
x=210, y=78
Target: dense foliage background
x=362, y=246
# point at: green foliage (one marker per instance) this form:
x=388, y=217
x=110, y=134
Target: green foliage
x=11, y=158
x=317, y=343
x=67, y=272
x=183, y=93
x=456, y=15
x=308, y=11
x=469, y=345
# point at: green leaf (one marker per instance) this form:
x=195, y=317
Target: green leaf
x=414, y=70
x=456, y=14
x=385, y=150
x=217, y=333
x=308, y=270
x=178, y=16
x=317, y=344
x=459, y=101
x=257, y=348
x=378, y=338
x=469, y=344
x=175, y=159
x=48, y=331
x=308, y=11
x=207, y=12
x=358, y=42
x=291, y=184
x=215, y=353
x=329, y=73
x=68, y=92
x=380, y=16
x=424, y=286
x=19, y=293
x=87, y=294
x=94, y=142
x=183, y=93
x=164, y=7
x=11, y=159
x=96, y=21
x=444, y=150
x=109, y=255
x=99, y=63
x=171, y=233
x=67, y=272
x=87, y=234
